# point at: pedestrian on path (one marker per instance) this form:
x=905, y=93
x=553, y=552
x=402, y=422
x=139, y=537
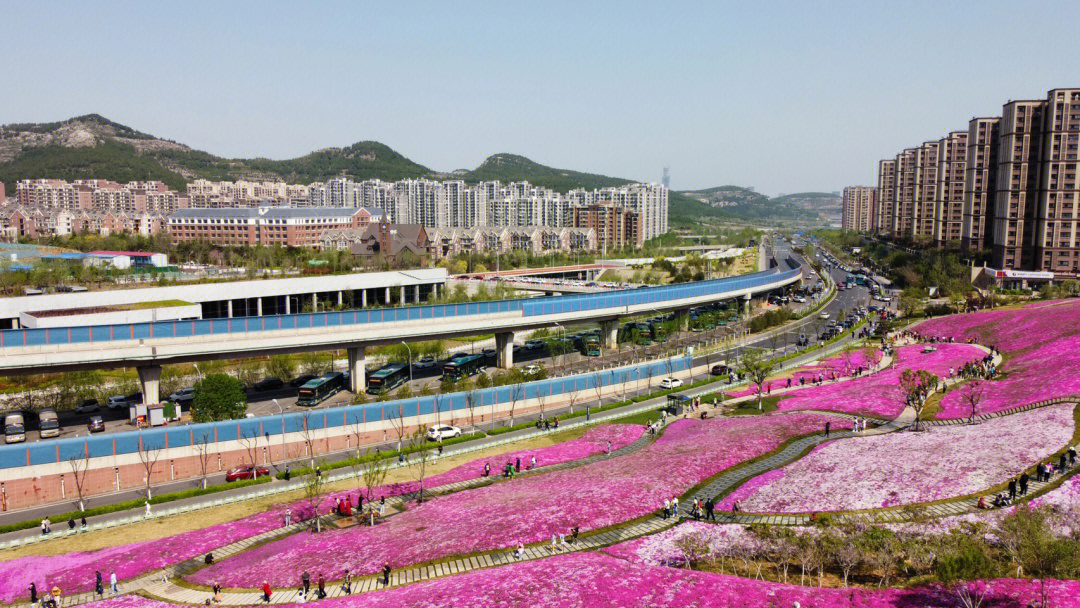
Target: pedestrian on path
x=45, y=526
x=1012, y=489
x=607, y=450
x=532, y=463
x=33, y=593
x=386, y=574
x=266, y=592
x=217, y=593
x=99, y=584
x=553, y=545
x=1024, y=483
x=305, y=580
x=675, y=505
x=517, y=465
x=322, y=587
x=288, y=516
x=147, y=511
x=347, y=585
x=112, y=583
x=828, y=425
x=1072, y=455
x=709, y=508
x=667, y=508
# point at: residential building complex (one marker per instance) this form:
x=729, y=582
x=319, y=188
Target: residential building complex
x=859, y=208
x=287, y=226
x=615, y=227
x=448, y=242
x=1005, y=184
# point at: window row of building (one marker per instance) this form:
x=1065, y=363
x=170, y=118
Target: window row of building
x=1007, y=184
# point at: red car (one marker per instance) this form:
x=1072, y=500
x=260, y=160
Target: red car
x=246, y=472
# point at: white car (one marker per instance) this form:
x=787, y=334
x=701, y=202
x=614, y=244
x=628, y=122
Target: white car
x=425, y=363
x=436, y=433
x=670, y=383
x=824, y=315
x=184, y=394
x=529, y=370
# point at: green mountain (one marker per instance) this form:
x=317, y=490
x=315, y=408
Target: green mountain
x=514, y=168
x=736, y=203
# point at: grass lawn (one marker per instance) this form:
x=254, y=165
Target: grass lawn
x=748, y=408
x=641, y=418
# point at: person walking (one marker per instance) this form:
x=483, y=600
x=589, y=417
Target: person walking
x=1063, y=463
x=347, y=585
x=675, y=505
x=487, y=469
x=322, y=587
x=517, y=465
x=386, y=574
x=667, y=508
x=33, y=593
x=553, y=543
x=112, y=583
x=532, y=462
x=607, y=450
x=305, y=579
x=1024, y=483
x=266, y=591
x=709, y=508
x=1012, y=489
x=828, y=425
x=45, y=526
x=1072, y=454
x=288, y=516
x=99, y=584
x=147, y=510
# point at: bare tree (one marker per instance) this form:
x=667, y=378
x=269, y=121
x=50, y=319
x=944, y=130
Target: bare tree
x=598, y=388
x=373, y=471
x=650, y=371
x=397, y=422
x=421, y=457
x=472, y=401
x=80, y=465
x=572, y=396
x=148, y=456
x=250, y=443
x=203, y=453
x=314, y=488
x=973, y=395
x=540, y=398
x=517, y=393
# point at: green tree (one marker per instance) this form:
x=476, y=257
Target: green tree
x=218, y=397
x=757, y=368
x=281, y=366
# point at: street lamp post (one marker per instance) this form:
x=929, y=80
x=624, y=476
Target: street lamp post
x=281, y=412
x=410, y=360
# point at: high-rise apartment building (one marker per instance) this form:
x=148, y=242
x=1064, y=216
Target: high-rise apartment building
x=1008, y=184
x=948, y=215
x=859, y=208
x=980, y=181
x=614, y=226
x=886, y=196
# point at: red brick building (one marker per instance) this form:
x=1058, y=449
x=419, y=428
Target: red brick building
x=266, y=225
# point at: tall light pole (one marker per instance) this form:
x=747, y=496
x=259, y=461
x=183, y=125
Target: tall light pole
x=197, y=370
x=410, y=361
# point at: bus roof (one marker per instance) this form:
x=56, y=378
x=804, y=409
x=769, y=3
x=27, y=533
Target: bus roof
x=386, y=370
x=464, y=360
x=323, y=379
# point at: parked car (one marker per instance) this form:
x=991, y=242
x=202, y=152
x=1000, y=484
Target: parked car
x=534, y=345
x=445, y=431
x=530, y=370
x=670, y=383
x=268, y=384
x=301, y=380
x=183, y=395
x=96, y=424
x=824, y=315
x=87, y=406
x=246, y=472
x=427, y=362
x=490, y=352
x=117, y=402
x=720, y=369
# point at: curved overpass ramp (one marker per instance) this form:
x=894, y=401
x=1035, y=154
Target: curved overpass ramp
x=154, y=344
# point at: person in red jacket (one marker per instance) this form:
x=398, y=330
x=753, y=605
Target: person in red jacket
x=267, y=592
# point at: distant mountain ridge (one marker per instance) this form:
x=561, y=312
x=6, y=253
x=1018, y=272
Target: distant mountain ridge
x=92, y=146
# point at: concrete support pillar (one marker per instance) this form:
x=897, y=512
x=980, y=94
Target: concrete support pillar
x=434, y=291
x=258, y=306
x=416, y=294
x=340, y=298
x=387, y=295
x=401, y=300
x=228, y=307
x=746, y=304
x=314, y=302
x=357, y=369
x=609, y=333
x=363, y=298
x=504, y=349
x=288, y=305
x=150, y=381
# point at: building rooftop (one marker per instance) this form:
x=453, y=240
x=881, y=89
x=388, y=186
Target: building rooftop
x=130, y=254
x=275, y=212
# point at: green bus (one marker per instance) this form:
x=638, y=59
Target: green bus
x=469, y=365
x=591, y=346
x=319, y=389
x=387, y=378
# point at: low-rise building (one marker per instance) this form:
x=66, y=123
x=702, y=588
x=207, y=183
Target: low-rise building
x=288, y=226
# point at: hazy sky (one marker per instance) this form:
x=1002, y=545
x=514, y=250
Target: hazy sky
x=781, y=96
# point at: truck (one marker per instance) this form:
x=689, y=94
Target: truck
x=48, y=423
x=14, y=428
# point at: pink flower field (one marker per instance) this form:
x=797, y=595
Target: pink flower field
x=908, y=468
x=595, y=579
x=74, y=572
x=879, y=394
x=833, y=366
x=135, y=559
x=525, y=510
x=660, y=549
x=1042, y=349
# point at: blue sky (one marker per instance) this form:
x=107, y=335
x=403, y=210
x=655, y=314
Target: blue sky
x=781, y=96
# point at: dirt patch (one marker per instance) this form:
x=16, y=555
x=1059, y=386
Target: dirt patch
x=161, y=528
